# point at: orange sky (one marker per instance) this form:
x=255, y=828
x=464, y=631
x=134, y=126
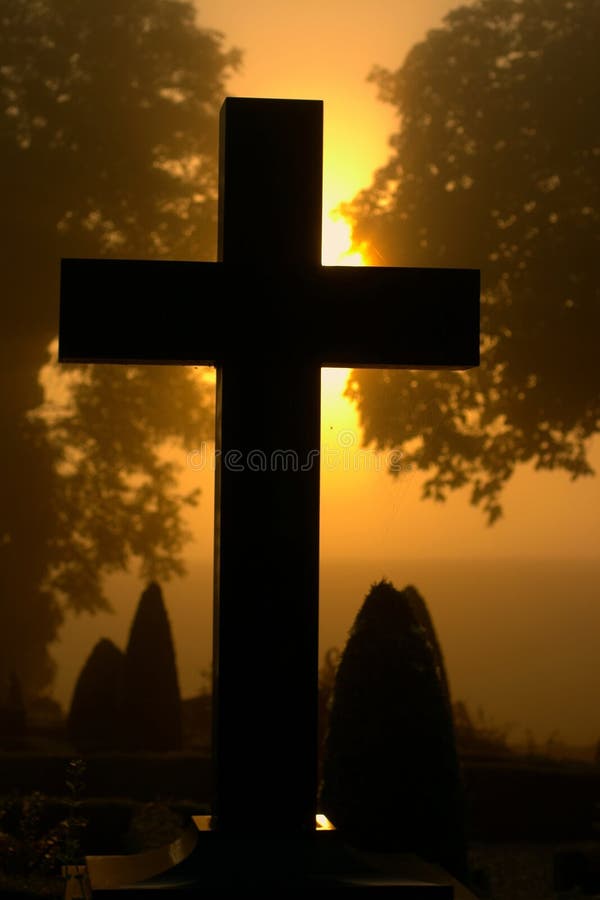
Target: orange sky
x=365, y=513
x=324, y=50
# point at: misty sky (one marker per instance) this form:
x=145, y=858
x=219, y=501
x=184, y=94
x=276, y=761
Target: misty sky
x=324, y=51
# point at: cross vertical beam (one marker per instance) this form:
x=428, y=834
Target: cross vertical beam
x=269, y=316
x=267, y=485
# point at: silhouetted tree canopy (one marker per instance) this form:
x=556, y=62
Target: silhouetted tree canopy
x=92, y=720
x=391, y=777
x=495, y=165
x=108, y=140
x=149, y=698
x=327, y=674
x=424, y=622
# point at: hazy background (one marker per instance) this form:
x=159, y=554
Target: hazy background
x=515, y=605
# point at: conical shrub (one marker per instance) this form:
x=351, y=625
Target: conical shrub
x=391, y=777
x=150, y=701
x=92, y=721
x=424, y=621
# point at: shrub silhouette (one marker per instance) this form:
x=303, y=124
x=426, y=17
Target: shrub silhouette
x=391, y=777
x=92, y=721
x=150, y=701
x=424, y=621
x=327, y=674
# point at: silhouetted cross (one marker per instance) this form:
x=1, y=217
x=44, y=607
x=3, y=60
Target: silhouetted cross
x=268, y=315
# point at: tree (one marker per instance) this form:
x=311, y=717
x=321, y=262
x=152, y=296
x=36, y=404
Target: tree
x=391, y=777
x=150, y=701
x=108, y=137
x=327, y=675
x=424, y=622
x=92, y=721
x=496, y=165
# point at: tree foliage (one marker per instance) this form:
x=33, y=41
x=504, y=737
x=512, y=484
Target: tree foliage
x=391, y=777
x=92, y=720
x=326, y=687
x=108, y=138
x=495, y=166
x=149, y=698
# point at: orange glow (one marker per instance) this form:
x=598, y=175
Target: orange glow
x=337, y=242
x=337, y=413
x=323, y=823
x=333, y=382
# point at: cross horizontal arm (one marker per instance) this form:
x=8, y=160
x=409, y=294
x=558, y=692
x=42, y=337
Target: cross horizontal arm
x=130, y=311
x=200, y=313
x=390, y=318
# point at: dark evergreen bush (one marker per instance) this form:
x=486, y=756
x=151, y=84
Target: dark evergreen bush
x=391, y=778
x=92, y=721
x=150, y=701
x=327, y=674
x=424, y=621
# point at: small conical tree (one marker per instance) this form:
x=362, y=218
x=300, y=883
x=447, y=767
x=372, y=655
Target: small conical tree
x=424, y=621
x=92, y=721
x=150, y=701
x=327, y=674
x=391, y=777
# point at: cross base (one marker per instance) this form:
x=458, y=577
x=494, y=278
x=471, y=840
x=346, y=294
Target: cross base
x=207, y=863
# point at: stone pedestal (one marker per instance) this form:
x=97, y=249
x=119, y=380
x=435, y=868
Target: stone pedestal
x=208, y=863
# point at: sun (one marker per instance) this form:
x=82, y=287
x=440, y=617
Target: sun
x=333, y=381
x=337, y=243
x=337, y=411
